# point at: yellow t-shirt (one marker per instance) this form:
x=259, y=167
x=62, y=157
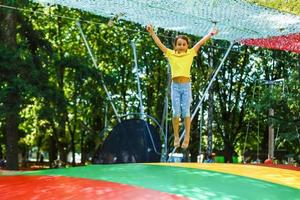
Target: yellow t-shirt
x=180, y=63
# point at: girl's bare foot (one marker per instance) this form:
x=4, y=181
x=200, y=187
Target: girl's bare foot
x=185, y=143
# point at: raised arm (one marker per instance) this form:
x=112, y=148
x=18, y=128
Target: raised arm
x=156, y=39
x=213, y=32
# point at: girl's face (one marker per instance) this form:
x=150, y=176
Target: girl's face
x=181, y=46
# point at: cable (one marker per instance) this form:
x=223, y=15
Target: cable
x=51, y=15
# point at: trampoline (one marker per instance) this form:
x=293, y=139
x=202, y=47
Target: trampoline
x=153, y=181
x=251, y=25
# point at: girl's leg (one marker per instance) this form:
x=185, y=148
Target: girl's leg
x=175, y=94
x=186, y=104
x=176, y=131
x=187, y=125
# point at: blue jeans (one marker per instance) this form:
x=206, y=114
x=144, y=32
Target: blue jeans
x=181, y=95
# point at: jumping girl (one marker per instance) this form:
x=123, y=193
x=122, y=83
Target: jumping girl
x=181, y=59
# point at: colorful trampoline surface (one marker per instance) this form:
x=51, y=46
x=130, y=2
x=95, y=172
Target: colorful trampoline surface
x=153, y=181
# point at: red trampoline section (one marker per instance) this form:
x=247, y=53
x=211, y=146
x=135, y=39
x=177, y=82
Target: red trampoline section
x=60, y=187
x=285, y=42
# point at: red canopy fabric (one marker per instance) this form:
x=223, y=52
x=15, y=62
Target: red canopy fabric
x=285, y=42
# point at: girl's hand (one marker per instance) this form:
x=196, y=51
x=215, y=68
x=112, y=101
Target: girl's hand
x=149, y=28
x=214, y=31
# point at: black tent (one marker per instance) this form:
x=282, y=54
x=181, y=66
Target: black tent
x=130, y=141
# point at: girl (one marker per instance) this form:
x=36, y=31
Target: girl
x=181, y=59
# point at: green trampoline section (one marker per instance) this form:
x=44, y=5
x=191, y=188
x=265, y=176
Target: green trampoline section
x=186, y=182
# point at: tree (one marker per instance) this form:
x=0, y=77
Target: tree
x=19, y=72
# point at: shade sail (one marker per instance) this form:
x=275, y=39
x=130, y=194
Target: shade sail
x=284, y=42
x=237, y=20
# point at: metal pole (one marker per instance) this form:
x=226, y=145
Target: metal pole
x=200, y=155
x=200, y=129
x=244, y=149
x=140, y=95
x=212, y=80
x=95, y=65
x=138, y=78
x=247, y=131
x=271, y=135
x=207, y=88
x=271, y=124
x=166, y=113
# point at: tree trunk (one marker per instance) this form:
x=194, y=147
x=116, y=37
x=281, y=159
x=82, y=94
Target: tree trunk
x=1, y=153
x=61, y=104
x=228, y=151
x=194, y=142
x=73, y=132
x=52, y=151
x=82, y=148
x=12, y=136
x=13, y=100
x=210, y=110
x=209, y=123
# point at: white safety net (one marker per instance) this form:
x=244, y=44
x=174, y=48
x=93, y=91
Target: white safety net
x=236, y=19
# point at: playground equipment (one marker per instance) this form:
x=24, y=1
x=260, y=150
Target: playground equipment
x=271, y=132
x=247, y=26
x=237, y=20
x=130, y=140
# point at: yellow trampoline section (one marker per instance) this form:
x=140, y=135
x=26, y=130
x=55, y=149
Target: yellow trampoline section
x=280, y=176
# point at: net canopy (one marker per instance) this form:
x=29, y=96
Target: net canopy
x=237, y=20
